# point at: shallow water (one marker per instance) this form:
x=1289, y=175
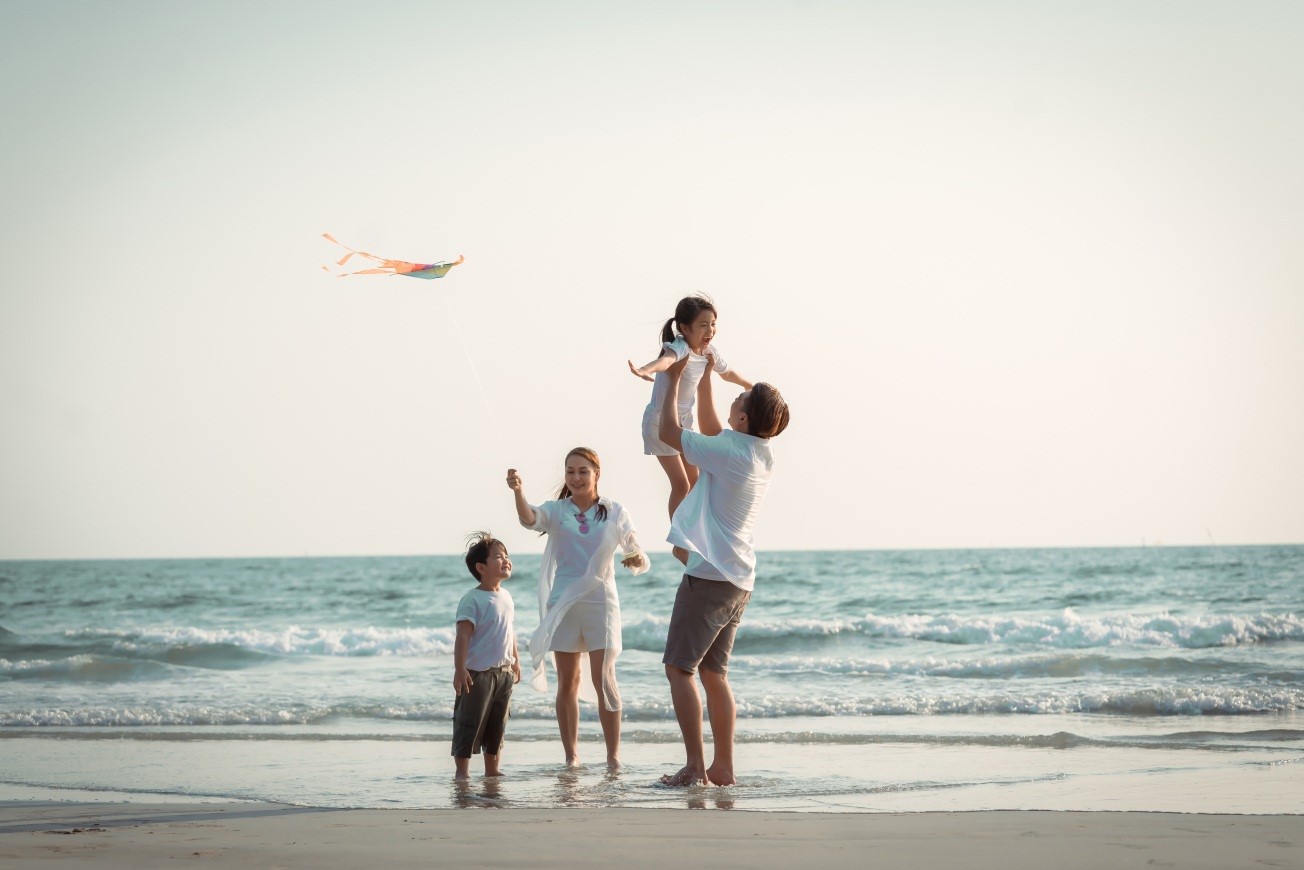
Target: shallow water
x=1153, y=679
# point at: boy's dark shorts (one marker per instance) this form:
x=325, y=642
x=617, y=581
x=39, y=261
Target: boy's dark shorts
x=703, y=624
x=480, y=715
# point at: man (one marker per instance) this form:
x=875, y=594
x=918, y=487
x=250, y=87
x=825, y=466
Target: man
x=712, y=535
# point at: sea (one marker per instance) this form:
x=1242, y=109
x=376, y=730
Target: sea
x=1147, y=678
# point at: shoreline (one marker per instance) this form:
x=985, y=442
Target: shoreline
x=228, y=834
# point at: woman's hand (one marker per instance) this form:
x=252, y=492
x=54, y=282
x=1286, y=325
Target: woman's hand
x=634, y=560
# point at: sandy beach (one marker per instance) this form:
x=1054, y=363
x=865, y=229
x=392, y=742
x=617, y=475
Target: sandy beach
x=132, y=835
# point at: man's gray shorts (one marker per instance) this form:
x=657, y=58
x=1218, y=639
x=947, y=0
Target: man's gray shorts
x=703, y=624
x=480, y=715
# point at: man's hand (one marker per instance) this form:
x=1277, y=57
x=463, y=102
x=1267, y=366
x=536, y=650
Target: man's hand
x=513, y=480
x=462, y=682
x=516, y=670
x=677, y=367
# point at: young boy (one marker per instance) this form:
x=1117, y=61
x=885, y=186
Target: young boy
x=485, y=663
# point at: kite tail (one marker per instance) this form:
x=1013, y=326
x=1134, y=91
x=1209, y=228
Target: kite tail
x=387, y=267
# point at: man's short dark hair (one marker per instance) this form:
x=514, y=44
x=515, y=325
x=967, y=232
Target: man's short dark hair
x=767, y=412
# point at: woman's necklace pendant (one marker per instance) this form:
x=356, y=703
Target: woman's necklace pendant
x=583, y=521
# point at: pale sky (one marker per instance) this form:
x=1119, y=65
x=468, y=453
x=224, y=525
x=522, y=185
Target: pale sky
x=1029, y=274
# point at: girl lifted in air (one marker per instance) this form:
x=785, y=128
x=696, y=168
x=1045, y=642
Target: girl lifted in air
x=687, y=334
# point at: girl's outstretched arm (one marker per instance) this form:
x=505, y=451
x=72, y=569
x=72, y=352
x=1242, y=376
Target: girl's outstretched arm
x=734, y=378
x=524, y=512
x=659, y=364
x=707, y=417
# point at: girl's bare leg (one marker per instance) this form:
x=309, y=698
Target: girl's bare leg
x=680, y=483
x=568, y=704
x=610, y=719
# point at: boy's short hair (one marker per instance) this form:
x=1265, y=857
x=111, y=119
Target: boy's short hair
x=767, y=412
x=478, y=547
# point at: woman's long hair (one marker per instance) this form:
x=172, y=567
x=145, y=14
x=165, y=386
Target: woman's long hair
x=592, y=459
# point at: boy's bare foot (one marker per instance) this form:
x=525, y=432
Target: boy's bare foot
x=720, y=775
x=685, y=777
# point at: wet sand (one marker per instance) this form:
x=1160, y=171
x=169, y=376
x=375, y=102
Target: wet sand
x=125, y=836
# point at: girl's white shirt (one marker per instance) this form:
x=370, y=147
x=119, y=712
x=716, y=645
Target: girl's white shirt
x=596, y=581
x=688, y=381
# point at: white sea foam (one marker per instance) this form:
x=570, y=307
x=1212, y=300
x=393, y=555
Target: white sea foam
x=291, y=641
x=1064, y=630
x=1172, y=700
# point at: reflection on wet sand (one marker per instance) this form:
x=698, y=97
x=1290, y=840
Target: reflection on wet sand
x=484, y=793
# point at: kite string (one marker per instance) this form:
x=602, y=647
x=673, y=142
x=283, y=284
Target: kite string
x=476, y=374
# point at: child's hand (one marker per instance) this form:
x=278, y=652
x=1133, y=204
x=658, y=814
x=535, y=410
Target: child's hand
x=462, y=682
x=513, y=480
x=638, y=371
x=516, y=670
x=634, y=560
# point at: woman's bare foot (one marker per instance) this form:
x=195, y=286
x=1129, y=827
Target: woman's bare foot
x=685, y=777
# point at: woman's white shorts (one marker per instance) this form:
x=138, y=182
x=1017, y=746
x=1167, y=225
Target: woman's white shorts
x=582, y=629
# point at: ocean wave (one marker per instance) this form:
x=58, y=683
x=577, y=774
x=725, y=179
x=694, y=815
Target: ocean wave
x=1037, y=665
x=85, y=668
x=1180, y=700
x=291, y=641
x=1064, y=630
x=1067, y=630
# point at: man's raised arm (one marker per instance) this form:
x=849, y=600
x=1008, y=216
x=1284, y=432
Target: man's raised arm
x=670, y=432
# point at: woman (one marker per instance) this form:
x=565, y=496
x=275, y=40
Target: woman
x=579, y=610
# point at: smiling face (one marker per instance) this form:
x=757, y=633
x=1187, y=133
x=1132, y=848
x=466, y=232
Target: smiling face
x=498, y=567
x=699, y=332
x=581, y=477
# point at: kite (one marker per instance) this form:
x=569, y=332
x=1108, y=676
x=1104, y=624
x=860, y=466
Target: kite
x=392, y=267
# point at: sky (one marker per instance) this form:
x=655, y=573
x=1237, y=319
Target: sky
x=1028, y=274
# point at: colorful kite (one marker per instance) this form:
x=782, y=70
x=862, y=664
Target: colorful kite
x=392, y=267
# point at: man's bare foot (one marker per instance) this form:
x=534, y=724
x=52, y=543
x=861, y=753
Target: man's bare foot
x=573, y=762
x=720, y=775
x=680, y=553
x=685, y=777
x=461, y=777
x=613, y=762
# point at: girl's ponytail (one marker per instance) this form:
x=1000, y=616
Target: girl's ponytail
x=668, y=331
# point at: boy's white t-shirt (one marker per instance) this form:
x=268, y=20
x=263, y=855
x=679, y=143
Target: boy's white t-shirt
x=492, y=616
x=715, y=520
x=688, y=381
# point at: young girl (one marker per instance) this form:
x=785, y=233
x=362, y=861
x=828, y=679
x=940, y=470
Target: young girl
x=578, y=608
x=695, y=321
